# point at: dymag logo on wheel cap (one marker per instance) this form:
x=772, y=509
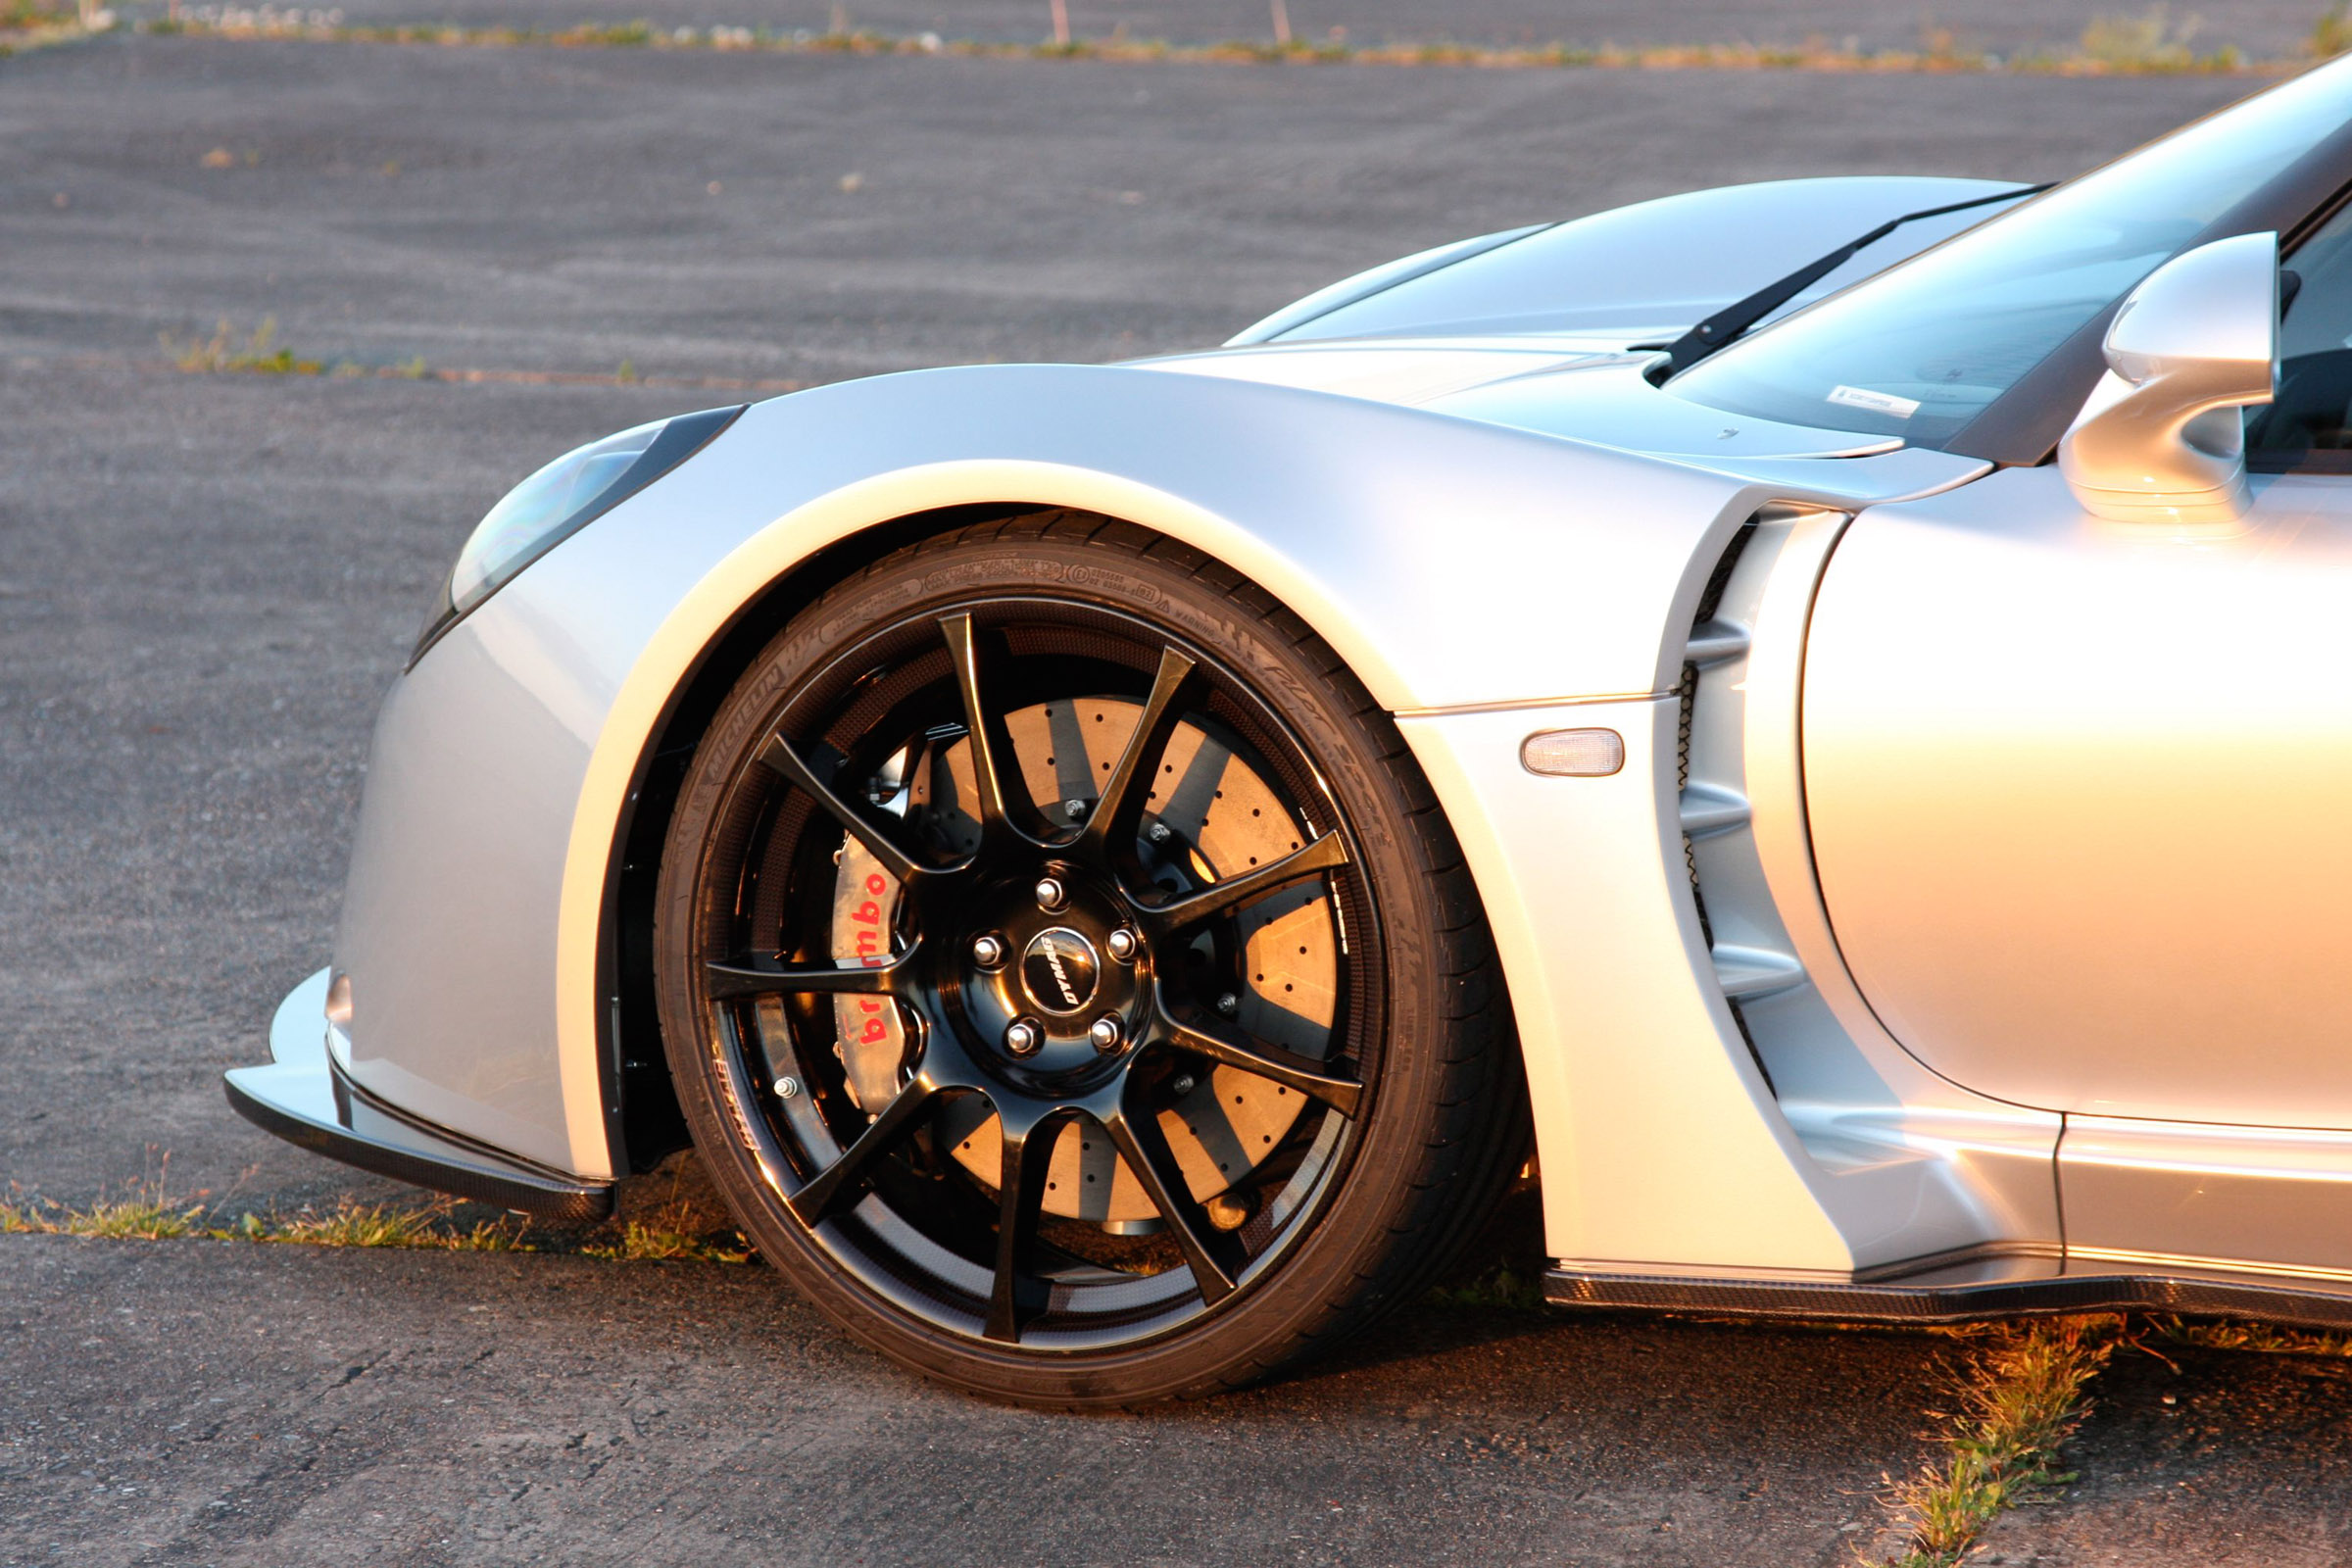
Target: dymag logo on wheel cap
x=1059, y=969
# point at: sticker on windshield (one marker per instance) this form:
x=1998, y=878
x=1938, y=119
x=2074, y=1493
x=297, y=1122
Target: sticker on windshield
x=1862, y=397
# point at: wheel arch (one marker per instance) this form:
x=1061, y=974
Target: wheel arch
x=642, y=1121
x=643, y=1124
x=1336, y=507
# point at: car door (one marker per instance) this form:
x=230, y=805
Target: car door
x=2081, y=792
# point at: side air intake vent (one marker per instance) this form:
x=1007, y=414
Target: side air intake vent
x=1751, y=953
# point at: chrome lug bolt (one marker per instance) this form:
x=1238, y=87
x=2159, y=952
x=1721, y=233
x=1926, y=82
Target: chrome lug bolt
x=1158, y=833
x=1022, y=1038
x=1105, y=1033
x=1229, y=1003
x=1050, y=894
x=1121, y=943
x=1073, y=809
x=987, y=952
x=1181, y=1084
x=786, y=1088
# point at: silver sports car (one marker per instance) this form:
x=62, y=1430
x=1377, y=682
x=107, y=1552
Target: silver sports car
x=1804, y=714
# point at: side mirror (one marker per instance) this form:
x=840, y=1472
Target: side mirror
x=2162, y=437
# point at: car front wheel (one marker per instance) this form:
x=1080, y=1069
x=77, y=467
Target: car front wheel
x=1068, y=978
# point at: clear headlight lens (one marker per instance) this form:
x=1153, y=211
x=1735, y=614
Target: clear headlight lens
x=538, y=506
x=558, y=501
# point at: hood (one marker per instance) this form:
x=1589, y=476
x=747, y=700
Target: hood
x=1642, y=272
x=1595, y=392
x=1548, y=328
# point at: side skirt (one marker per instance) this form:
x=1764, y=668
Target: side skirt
x=1992, y=1288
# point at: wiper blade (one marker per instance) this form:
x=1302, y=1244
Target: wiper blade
x=1729, y=324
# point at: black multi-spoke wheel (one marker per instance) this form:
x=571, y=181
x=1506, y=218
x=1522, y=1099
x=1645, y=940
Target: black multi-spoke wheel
x=1066, y=977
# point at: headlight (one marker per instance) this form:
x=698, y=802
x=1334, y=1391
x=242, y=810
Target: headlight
x=557, y=501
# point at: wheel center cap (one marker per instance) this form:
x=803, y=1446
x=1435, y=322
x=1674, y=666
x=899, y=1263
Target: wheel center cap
x=1059, y=969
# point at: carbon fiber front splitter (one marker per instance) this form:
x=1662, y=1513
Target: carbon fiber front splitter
x=302, y=1098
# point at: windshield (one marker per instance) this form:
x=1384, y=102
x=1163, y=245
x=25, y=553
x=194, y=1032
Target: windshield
x=1921, y=349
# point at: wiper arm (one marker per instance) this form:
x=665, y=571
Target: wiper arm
x=1727, y=325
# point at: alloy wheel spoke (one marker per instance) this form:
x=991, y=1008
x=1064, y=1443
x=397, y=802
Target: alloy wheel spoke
x=1215, y=1258
x=727, y=979
x=778, y=756
x=1322, y=854
x=1121, y=806
x=824, y=1192
x=1028, y=1153
x=1300, y=1075
x=991, y=748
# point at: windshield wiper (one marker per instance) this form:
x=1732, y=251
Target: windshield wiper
x=1727, y=325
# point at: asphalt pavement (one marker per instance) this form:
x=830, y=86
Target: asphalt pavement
x=208, y=580
x=228, y=1403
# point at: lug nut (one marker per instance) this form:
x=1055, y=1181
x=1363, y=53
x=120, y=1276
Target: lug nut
x=786, y=1088
x=1050, y=894
x=1227, y=1213
x=987, y=952
x=1229, y=1003
x=1074, y=809
x=1022, y=1039
x=1105, y=1033
x=1181, y=1084
x=1121, y=943
x=1158, y=833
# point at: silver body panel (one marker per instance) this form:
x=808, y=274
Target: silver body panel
x=2089, y=853
x=1970, y=860
x=2262, y=1199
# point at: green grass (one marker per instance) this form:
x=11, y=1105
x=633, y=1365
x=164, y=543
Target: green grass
x=2019, y=1400
x=146, y=1211
x=1501, y=1286
x=689, y=1226
x=431, y=1226
x=2260, y=1337
x=2152, y=41
x=259, y=354
x=640, y=1243
x=37, y=24
x=2149, y=42
x=2331, y=34
x=138, y=1218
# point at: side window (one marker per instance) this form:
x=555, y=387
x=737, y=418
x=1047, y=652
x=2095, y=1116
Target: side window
x=2309, y=426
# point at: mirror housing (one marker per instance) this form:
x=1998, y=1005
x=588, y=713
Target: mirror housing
x=2162, y=437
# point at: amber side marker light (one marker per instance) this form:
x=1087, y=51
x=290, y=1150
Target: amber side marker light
x=1573, y=753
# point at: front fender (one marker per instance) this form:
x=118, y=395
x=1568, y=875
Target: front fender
x=1452, y=564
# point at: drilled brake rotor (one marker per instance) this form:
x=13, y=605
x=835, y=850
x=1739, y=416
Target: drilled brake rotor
x=1221, y=818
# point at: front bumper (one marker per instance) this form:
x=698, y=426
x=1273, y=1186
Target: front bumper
x=302, y=1098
